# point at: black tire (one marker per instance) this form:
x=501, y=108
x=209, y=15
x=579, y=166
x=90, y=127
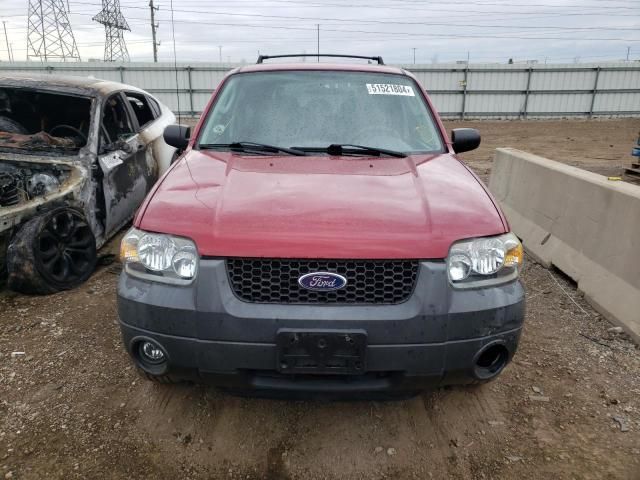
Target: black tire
x=52, y=252
x=11, y=126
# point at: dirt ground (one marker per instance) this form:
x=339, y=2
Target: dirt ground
x=600, y=146
x=568, y=407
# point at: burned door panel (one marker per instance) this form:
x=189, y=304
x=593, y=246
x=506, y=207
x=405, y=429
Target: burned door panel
x=128, y=172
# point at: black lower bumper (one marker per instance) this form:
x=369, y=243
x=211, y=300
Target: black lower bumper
x=243, y=365
x=441, y=336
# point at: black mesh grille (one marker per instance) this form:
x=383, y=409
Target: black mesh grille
x=368, y=281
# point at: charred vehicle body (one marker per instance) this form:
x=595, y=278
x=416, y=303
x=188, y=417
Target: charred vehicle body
x=77, y=157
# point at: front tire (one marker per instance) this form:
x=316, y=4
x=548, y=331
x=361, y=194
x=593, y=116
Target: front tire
x=52, y=252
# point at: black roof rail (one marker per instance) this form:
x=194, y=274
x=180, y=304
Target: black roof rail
x=378, y=59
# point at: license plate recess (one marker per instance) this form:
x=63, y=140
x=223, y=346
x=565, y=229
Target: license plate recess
x=340, y=352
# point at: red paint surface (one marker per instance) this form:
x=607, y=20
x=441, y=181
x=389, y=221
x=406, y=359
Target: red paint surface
x=321, y=206
x=327, y=207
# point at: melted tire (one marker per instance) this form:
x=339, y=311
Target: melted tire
x=27, y=266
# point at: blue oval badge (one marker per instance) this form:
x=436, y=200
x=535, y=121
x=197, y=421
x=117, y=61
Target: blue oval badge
x=322, y=281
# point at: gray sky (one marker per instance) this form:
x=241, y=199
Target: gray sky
x=440, y=31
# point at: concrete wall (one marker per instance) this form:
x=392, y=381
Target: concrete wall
x=458, y=91
x=584, y=224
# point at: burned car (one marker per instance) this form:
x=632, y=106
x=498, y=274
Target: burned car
x=77, y=157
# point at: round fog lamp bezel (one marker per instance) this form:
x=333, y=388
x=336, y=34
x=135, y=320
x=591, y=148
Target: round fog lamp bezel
x=148, y=359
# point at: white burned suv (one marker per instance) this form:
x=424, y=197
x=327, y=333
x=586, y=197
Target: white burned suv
x=77, y=157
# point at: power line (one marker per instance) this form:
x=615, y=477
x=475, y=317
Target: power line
x=391, y=21
x=408, y=34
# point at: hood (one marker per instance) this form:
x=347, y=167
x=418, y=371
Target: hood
x=235, y=205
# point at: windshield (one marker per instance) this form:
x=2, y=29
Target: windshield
x=37, y=122
x=317, y=109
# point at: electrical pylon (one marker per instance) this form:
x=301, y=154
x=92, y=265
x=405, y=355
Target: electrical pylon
x=49, y=34
x=115, y=48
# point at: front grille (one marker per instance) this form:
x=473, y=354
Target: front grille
x=376, y=282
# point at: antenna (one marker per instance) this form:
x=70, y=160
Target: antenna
x=175, y=59
x=6, y=37
x=115, y=49
x=49, y=34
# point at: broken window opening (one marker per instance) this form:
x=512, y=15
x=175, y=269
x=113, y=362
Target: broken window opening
x=40, y=121
x=141, y=108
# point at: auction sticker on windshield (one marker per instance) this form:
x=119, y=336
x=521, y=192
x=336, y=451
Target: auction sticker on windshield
x=389, y=89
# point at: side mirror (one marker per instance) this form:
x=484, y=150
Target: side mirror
x=465, y=139
x=177, y=136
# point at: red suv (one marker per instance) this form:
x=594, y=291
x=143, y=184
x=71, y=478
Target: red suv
x=319, y=234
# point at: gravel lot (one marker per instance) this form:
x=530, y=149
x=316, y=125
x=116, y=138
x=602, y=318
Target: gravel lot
x=567, y=407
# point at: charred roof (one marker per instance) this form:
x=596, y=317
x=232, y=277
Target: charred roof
x=64, y=84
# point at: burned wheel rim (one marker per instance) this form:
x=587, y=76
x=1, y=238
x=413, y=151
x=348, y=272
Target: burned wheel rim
x=65, y=248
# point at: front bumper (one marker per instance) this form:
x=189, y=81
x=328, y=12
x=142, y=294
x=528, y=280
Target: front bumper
x=431, y=340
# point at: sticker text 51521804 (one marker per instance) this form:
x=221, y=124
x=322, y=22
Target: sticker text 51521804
x=389, y=89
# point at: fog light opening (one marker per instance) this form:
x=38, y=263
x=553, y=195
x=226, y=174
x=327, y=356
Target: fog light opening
x=491, y=361
x=150, y=353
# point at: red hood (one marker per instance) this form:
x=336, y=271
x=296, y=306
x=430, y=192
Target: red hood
x=321, y=206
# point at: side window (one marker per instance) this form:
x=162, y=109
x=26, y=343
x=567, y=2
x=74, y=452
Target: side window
x=140, y=106
x=116, y=123
x=157, y=111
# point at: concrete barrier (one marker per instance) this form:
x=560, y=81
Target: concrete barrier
x=584, y=224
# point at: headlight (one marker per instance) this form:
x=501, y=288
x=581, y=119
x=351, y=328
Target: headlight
x=159, y=257
x=485, y=261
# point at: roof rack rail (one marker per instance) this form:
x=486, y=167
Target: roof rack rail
x=378, y=59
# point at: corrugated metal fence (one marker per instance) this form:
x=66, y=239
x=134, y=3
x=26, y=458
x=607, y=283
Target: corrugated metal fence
x=458, y=90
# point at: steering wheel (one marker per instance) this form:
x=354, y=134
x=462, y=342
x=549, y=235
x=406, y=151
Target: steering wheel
x=70, y=128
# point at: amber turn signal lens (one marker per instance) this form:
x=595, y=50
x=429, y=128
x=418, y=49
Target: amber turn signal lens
x=514, y=256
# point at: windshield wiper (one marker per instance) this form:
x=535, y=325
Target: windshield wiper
x=352, y=149
x=252, y=147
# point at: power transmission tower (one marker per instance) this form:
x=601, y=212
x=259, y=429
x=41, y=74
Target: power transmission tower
x=115, y=49
x=154, y=26
x=49, y=34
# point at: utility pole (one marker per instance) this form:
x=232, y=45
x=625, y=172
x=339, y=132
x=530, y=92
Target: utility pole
x=318, y=47
x=220, y=53
x=6, y=38
x=414, y=56
x=628, y=48
x=154, y=25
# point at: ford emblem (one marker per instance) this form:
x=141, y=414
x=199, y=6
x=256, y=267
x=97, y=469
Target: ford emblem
x=322, y=281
